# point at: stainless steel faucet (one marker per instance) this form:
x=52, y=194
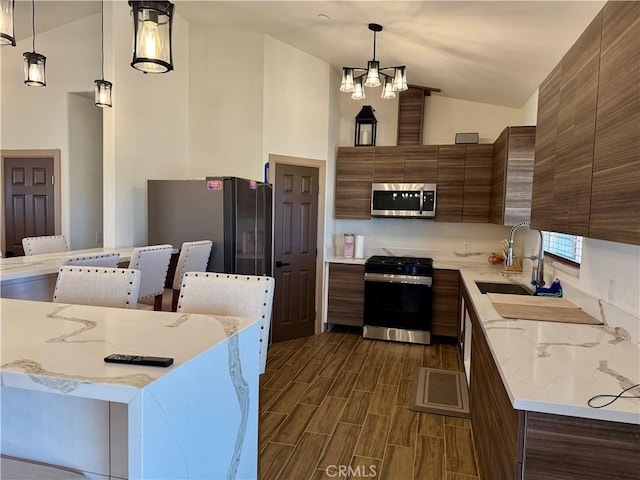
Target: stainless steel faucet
x=539, y=271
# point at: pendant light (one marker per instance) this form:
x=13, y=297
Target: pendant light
x=152, y=24
x=34, y=63
x=102, y=87
x=374, y=76
x=7, y=32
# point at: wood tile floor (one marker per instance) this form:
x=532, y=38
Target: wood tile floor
x=336, y=406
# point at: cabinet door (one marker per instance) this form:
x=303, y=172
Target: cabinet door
x=545, y=150
x=450, y=194
x=498, y=178
x=615, y=196
x=477, y=183
x=519, y=175
x=354, y=176
x=445, y=302
x=346, y=294
x=497, y=433
x=421, y=164
x=388, y=165
x=576, y=129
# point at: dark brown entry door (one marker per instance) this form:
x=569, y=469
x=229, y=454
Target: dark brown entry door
x=29, y=208
x=295, y=237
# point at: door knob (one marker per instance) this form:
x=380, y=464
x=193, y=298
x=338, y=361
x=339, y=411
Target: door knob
x=280, y=264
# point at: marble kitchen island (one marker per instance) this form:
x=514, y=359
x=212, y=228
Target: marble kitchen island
x=62, y=404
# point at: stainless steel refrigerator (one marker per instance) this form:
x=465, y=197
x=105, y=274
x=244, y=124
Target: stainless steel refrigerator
x=234, y=213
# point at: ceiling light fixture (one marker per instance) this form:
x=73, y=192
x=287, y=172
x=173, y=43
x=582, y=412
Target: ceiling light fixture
x=374, y=76
x=34, y=63
x=152, y=24
x=103, y=88
x=7, y=32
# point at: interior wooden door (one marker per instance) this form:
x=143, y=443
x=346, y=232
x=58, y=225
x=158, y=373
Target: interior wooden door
x=295, y=240
x=29, y=201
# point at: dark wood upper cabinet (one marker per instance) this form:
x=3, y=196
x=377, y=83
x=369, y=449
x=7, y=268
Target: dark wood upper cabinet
x=545, y=149
x=421, y=164
x=388, y=165
x=615, y=189
x=354, y=176
x=576, y=129
x=587, y=166
x=512, y=175
x=450, y=194
x=477, y=183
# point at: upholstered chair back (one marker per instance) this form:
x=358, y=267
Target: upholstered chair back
x=230, y=294
x=105, y=287
x=194, y=257
x=48, y=244
x=153, y=263
x=107, y=260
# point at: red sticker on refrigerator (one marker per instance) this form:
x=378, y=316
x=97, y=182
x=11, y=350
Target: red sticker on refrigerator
x=214, y=185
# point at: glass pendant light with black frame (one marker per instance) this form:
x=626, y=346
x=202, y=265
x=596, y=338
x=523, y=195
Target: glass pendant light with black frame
x=7, y=29
x=34, y=63
x=102, y=93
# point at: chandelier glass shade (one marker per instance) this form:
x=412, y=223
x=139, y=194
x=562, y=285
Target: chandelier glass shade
x=34, y=63
x=152, y=24
x=7, y=31
x=393, y=79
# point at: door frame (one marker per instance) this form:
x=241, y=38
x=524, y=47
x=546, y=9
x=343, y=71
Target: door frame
x=321, y=165
x=57, y=196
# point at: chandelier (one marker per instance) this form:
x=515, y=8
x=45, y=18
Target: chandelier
x=374, y=75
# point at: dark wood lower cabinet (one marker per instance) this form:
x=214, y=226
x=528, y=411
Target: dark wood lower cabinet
x=346, y=294
x=497, y=431
x=568, y=448
x=524, y=445
x=446, y=291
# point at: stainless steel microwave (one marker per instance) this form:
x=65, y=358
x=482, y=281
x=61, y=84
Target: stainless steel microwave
x=404, y=200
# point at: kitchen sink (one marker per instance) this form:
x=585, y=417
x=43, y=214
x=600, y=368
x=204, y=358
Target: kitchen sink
x=509, y=288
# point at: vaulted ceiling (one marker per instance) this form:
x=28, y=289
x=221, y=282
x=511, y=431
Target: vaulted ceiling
x=491, y=52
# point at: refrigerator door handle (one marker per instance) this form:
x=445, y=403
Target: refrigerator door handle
x=280, y=264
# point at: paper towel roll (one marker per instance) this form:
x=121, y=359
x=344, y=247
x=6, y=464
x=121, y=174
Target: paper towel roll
x=359, y=246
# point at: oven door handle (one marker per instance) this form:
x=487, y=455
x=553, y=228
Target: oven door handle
x=421, y=201
x=391, y=278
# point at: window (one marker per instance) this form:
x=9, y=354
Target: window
x=563, y=245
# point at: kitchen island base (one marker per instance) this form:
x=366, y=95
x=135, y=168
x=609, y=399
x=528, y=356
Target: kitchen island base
x=195, y=419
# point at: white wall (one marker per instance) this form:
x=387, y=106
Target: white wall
x=146, y=133
x=386, y=112
x=85, y=171
x=421, y=234
x=444, y=117
x=225, y=102
x=296, y=102
x=39, y=117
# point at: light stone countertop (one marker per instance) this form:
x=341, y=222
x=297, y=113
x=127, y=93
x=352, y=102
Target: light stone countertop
x=52, y=346
x=551, y=367
x=13, y=268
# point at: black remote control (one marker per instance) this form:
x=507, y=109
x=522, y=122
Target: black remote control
x=139, y=360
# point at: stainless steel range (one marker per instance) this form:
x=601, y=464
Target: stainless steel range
x=397, y=299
